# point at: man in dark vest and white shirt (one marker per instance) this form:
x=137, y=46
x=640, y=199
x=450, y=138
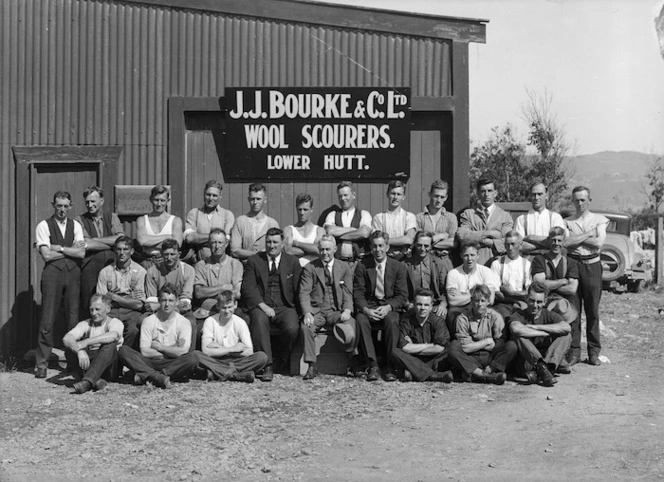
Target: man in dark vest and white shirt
x=100, y=229
x=350, y=226
x=61, y=245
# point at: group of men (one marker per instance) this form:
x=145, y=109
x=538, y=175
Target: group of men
x=512, y=304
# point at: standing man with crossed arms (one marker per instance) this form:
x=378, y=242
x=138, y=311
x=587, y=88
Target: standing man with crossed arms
x=534, y=226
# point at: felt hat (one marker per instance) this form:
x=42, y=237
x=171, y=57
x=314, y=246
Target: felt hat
x=345, y=334
x=205, y=309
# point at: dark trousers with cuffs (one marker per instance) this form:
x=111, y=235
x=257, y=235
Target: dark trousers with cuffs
x=224, y=367
x=390, y=327
x=103, y=363
x=322, y=320
x=590, y=294
x=420, y=366
x=285, y=324
x=181, y=367
x=551, y=349
x=59, y=288
x=502, y=354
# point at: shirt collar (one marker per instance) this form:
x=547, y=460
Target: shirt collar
x=330, y=264
x=276, y=260
x=426, y=212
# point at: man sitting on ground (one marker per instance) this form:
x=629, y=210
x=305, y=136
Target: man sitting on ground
x=165, y=343
x=95, y=342
x=480, y=349
x=423, y=341
x=227, y=340
x=326, y=299
x=542, y=337
x=514, y=273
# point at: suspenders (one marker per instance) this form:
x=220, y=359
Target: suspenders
x=502, y=268
x=528, y=224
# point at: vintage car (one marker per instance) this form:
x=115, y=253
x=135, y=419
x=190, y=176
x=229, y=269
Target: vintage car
x=624, y=265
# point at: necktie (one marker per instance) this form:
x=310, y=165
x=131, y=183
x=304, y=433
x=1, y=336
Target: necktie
x=99, y=225
x=273, y=266
x=484, y=214
x=328, y=275
x=380, y=282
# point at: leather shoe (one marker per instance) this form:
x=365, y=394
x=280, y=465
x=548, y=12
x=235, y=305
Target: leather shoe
x=246, y=377
x=544, y=376
x=138, y=380
x=101, y=384
x=311, y=372
x=162, y=381
x=594, y=360
x=268, y=374
x=445, y=377
x=407, y=376
x=209, y=376
x=82, y=386
x=495, y=378
x=40, y=372
x=373, y=374
x=390, y=376
x=531, y=377
x=573, y=360
x=563, y=369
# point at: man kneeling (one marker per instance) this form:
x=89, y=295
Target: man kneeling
x=165, y=343
x=227, y=341
x=423, y=340
x=480, y=349
x=542, y=336
x=95, y=342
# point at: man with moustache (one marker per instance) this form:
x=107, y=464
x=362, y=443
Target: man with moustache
x=200, y=221
x=487, y=224
x=100, y=229
x=380, y=291
x=326, y=298
x=269, y=288
x=249, y=231
x=61, y=245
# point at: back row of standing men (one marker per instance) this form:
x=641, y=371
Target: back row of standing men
x=269, y=301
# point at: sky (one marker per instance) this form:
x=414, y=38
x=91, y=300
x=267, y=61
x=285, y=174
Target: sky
x=599, y=60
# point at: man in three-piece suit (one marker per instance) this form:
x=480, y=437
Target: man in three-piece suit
x=380, y=291
x=269, y=288
x=327, y=301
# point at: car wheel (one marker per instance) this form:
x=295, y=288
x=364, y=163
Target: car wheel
x=613, y=263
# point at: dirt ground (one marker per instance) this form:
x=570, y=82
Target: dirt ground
x=599, y=423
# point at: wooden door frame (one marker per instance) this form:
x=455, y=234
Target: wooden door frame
x=26, y=157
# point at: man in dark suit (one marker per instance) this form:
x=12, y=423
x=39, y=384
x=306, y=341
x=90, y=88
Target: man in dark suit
x=380, y=291
x=269, y=288
x=326, y=299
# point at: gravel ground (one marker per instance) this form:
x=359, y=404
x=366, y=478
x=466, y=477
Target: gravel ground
x=598, y=423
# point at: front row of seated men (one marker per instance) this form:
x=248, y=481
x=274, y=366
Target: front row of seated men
x=277, y=293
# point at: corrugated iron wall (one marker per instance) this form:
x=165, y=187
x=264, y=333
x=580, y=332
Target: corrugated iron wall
x=76, y=72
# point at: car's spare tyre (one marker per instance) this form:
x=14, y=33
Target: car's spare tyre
x=613, y=263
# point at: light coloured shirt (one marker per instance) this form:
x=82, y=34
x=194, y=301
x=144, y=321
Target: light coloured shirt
x=176, y=331
x=116, y=226
x=441, y=222
x=87, y=329
x=228, y=335
x=470, y=329
x=346, y=248
x=538, y=224
x=198, y=221
x=228, y=271
x=581, y=225
x=249, y=233
x=43, y=234
x=463, y=282
x=395, y=223
x=513, y=273
x=129, y=281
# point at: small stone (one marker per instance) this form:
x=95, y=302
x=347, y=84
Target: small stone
x=306, y=452
x=492, y=465
x=86, y=455
x=266, y=469
x=548, y=451
x=549, y=397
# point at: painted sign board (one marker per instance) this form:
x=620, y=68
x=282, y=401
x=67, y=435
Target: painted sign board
x=134, y=200
x=291, y=134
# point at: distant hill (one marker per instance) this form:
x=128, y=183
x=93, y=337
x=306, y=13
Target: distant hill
x=616, y=179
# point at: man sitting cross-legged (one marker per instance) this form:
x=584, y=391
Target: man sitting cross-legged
x=542, y=337
x=480, y=349
x=514, y=273
x=326, y=299
x=165, y=342
x=422, y=343
x=226, y=339
x=95, y=342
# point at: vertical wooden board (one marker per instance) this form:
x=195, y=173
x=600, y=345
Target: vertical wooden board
x=431, y=162
x=417, y=161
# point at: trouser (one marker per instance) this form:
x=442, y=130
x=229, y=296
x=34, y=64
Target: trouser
x=197, y=326
x=421, y=366
x=450, y=320
x=59, y=288
x=89, y=274
x=550, y=349
x=284, y=324
x=102, y=363
x=390, y=327
x=131, y=319
x=181, y=367
x=498, y=358
x=226, y=366
x=590, y=294
x=323, y=320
